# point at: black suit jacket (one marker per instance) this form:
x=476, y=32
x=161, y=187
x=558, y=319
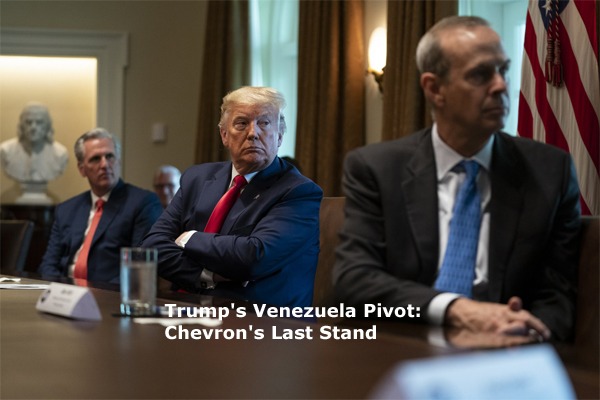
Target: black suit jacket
x=389, y=246
x=269, y=238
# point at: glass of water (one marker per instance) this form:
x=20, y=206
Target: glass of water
x=138, y=281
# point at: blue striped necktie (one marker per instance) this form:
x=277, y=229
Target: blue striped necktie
x=458, y=268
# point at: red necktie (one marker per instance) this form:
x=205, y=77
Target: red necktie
x=215, y=222
x=81, y=264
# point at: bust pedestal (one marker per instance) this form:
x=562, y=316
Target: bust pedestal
x=34, y=193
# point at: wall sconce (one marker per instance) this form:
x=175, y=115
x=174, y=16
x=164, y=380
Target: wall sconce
x=377, y=55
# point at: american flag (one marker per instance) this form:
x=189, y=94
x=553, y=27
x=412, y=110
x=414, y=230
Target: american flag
x=559, y=101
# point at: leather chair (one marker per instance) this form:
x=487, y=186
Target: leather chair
x=587, y=331
x=15, y=236
x=331, y=218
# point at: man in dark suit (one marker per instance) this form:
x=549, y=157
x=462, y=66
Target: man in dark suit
x=267, y=247
x=127, y=215
x=401, y=194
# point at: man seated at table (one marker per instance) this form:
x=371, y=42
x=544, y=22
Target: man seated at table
x=166, y=183
x=90, y=228
x=265, y=248
x=496, y=255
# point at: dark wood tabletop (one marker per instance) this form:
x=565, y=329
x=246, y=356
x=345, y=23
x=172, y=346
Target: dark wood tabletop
x=47, y=356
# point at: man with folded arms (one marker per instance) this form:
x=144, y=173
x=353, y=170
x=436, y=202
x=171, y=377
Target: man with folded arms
x=247, y=228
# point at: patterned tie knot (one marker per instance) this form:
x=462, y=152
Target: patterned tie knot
x=99, y=204
x=471, y=167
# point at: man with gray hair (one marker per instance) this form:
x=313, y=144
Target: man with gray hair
x=474, y=227
x=90, y=228
x=246, y=228
x=33, y=156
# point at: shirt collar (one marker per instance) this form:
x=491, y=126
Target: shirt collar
x=446, y=157
x=248, y=177
x=95, y=198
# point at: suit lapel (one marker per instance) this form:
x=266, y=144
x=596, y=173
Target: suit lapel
x=420, y=190
x=505, y=210
x=110, y=210
x=213, y=189
x=259, y=184
x=80, y=219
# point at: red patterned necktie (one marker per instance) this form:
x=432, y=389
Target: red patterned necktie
x=215, y=222
x=81, y=264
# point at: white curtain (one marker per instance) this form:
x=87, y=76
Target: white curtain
x=274, y=56
x=508, y=19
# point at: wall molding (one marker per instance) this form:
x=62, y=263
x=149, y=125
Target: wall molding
x=109, y=48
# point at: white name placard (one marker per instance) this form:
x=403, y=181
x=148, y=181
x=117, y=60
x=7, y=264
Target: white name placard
x=527, y=372
x=69, y=301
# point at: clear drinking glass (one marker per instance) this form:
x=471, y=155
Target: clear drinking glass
x=138, y=281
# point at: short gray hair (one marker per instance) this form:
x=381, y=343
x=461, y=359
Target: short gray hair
x=96, y=133
x=254, y=95
x=430, y=55
x=167, y=169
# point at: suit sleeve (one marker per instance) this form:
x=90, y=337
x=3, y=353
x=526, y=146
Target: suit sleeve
x=51, y=261
x=555, y=297
x=363, y=273
x=251, y=251
x=149, y=211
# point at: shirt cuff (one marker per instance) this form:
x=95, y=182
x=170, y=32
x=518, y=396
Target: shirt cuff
x=206, y=279
x=437, y=337
x=182, y=240
x=436, y=311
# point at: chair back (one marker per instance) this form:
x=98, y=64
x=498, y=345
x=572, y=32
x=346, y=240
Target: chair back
x=15, y=236
x=331, y=218
x=587, y=327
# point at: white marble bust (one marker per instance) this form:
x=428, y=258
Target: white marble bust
x=33, y=156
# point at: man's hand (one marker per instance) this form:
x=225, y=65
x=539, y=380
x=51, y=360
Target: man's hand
x=504, y=319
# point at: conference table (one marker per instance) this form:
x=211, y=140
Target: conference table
x=44, y=355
